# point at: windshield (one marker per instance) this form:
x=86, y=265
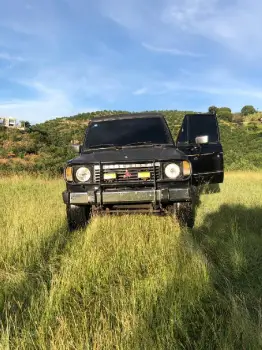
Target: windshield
x=124, y=132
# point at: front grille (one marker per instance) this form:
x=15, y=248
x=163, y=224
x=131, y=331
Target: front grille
x=133, y=170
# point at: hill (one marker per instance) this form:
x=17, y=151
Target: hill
x=45, y=147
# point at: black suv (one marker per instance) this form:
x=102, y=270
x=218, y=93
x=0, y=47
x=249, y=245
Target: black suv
x=131, y=163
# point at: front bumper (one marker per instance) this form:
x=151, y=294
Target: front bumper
x=164, y=195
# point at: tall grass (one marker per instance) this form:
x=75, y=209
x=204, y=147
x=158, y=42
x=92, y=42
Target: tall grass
x=131, y=282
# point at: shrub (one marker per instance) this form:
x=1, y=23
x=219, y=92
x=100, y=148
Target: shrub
x=237, y=118
x=225, y=114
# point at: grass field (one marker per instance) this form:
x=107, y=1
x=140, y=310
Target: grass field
x=130, y=282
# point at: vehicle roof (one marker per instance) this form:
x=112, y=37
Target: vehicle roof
x=127, y=116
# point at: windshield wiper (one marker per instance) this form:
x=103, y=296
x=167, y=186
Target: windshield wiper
x=139, y=143
x=144, y=143
x=104, y=145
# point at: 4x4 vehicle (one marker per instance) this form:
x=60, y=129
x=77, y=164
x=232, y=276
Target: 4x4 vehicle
x=131, y=162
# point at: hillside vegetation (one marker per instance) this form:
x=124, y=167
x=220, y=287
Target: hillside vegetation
x=45, y=147
x=136, y=282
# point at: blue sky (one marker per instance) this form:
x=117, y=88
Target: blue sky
x=61, y=57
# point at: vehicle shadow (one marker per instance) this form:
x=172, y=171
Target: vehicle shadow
x=232, y=240
x=227, y=313
x=17, y=297
x=205, y=189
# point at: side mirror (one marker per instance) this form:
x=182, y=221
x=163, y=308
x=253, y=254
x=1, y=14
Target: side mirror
x=77, y=148
x=200, y=140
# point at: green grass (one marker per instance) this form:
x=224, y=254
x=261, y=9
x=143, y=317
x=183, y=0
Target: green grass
x=130, y=282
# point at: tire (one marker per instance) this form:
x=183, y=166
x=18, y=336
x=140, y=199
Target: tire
x=184, y=213
x=77, y=216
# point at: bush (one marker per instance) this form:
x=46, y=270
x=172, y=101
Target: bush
x=252, y=127
x=225, y=114
x=237, y=118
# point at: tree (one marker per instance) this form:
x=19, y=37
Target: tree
x=26, y=124
x=246, y=110
x=212, y=109
x=225, y=109
x=225, y=113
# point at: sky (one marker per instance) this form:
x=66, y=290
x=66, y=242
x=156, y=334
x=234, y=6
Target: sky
x=63, y=57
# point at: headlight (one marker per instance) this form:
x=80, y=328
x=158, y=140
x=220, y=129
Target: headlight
x=83, y=174
x=172, y=171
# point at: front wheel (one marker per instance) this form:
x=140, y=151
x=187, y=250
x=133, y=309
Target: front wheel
x=184, y=213
x=77, y=216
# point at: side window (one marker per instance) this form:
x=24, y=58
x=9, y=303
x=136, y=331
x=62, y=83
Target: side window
x=200, y=125
x=183, y=132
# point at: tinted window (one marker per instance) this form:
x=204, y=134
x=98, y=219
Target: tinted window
x=124, y=131
x=182, y=136
x=203, y=125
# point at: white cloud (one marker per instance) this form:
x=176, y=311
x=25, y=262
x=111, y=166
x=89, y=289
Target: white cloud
x=235, y=25
x=141, y=91
x=187, y=11
x=80, y=79
x=141, y=18
x=37, y=111
x=175, y=52
x=8, y=57
x=51, y=103
x=216, y=82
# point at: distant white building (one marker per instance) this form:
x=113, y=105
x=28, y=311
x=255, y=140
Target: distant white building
x=11, y=123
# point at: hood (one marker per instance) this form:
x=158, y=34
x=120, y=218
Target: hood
x=132, y=154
